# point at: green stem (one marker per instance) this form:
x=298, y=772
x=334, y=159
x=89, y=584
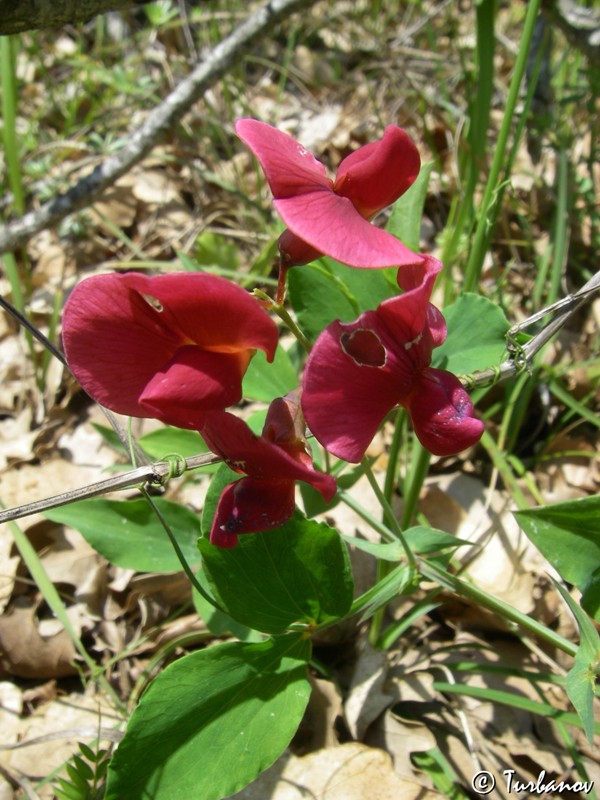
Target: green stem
x=389, y=515
x=385, y=533
x=284, y=315
x=460, y=223
x=9, y=116
x=468, y=590
x=418, y=473
x=179, y=552
x=393, y=455
x=475, y=261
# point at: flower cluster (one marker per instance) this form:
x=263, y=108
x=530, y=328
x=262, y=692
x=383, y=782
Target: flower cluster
x=176, y=347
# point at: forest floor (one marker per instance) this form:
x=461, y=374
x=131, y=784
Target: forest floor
x=333, y=78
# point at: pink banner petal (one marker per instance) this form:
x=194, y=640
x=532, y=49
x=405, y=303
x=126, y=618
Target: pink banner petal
x=209, y=311
x=333, y=226
x=289, y=167
x=114, y=341
x=122, y=334
x=408, y=316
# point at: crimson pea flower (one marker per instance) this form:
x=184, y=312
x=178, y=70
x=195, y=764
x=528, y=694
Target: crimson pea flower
x=272, y=462
x=357, y=372
x=171, y=347
x=331, y=217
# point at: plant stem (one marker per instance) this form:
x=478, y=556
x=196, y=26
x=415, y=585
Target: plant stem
x=179, y=552
x=418, y=472
x=468, y=590
x=377, y=526
x=388, y=514
x=284, y=316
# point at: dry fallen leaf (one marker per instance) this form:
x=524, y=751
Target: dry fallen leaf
x=24, y=652
x=348, y=772
x=367, y=699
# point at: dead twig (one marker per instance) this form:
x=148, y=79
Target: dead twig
x=160, y=120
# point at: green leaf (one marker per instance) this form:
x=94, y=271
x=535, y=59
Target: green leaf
x=211, y=722
x=407, y=212
x=424, y=540
x=299, y=572
x=264, y=381
x=434, y=764
x=217, y=621
x=166, y=440
x=476, y=336
x=581, y=678
x=128, y=533
x=67, y=791
x=568, y=535
x=327, y=290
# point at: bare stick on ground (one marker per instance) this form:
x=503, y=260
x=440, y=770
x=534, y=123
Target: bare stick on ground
x=141, y=141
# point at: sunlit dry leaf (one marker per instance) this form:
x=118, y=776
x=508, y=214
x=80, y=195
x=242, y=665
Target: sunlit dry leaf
x=366, y=698
x=400, y=738
x=349, y=772
x=69, y=560
x=56, y=727
x=503, y=561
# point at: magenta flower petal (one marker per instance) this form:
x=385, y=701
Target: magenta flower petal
x=409, y=316
x=332, y=225
x=208, y=311
x=330, y=218
x=290, y=169
x=442, y=413
x=264, y=499
x=357, y=372
x=115, y=342
x=193, y=380
x=348, y=387
x=124, y=333
x=230, y=437
x=377, y=174
x=249, y=506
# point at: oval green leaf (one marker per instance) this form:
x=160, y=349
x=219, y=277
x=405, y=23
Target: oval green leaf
x=211, y=722
x=299, y=572
x=128, y=533
x=476, y=336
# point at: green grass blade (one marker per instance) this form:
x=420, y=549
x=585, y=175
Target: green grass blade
x=9, y=119
x=488, y=209
x=52, y=598
x=497, y=696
